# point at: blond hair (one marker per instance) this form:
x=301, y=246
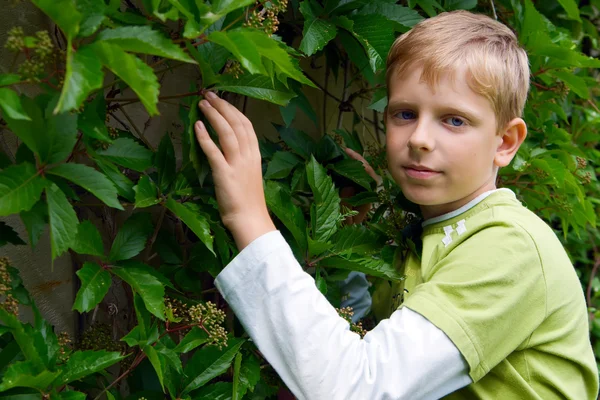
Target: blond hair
x=498, y=67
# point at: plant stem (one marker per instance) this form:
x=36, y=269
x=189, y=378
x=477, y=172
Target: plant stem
x=160, y=98
x=135, y=128
x=344, y=92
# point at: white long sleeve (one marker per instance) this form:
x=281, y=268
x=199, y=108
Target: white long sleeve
x=312, y=348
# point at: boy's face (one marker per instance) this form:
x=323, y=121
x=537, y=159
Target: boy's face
x=441, y=141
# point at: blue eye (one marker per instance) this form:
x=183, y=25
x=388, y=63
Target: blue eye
x=454, y=121
x=406, y=115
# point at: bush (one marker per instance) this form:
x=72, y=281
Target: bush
x=172, y=244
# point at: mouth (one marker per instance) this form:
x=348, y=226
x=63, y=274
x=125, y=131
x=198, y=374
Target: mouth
x=420, y=171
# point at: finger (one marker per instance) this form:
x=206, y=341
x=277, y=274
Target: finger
x=227, y=137
x=214, y=155
x=232, y=116
x=252, y=139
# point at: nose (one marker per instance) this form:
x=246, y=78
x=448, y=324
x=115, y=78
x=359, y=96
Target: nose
x=421, y=139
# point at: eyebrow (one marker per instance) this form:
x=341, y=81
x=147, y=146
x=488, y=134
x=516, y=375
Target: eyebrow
x=445, y=108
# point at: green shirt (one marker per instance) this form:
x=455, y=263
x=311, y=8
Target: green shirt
x=498, y=282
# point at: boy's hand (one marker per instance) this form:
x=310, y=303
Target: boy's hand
x=236, y=170
x=350, y=191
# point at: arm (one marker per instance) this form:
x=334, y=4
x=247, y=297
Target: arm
x=291, y=322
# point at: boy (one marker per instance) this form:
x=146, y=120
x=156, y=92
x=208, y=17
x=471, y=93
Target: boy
x=492, y=309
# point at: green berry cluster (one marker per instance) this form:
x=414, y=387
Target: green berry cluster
x=10, y=304
x=235, y=69
x=38, y=49
x=99, y=337
x=267, y=18
x=376, y=157
x=585, y=178
x=581, y=162
x=64, y=341
x=211, y=318
x=347, y=313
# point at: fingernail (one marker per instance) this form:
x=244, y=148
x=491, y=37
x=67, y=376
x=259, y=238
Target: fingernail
x=211, y=95
x=204, y=103
x=199, y=125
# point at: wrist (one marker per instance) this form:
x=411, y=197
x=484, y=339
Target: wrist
x=248, y=228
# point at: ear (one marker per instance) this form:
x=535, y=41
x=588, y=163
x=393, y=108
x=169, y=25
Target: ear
x=510, y=138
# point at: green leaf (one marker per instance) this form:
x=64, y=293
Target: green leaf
x=8, y=235
x=249, y=46
x=376, y=34
x=343, y=6
x=370, y=265
x=224, y=7
x=196, y=222
x=11, y=105
x=281, y=165
x=95, y=282
x=59, y=139
x=215, y=391
x=129, y=154
x=23, y=337
x=122, y=183
x=132, y=237
x=146, y=193
x=63, y=13
x=194, y=338
x=92, y=121
x=9, y=79
x=325, y=211
x=210, y=362
x=35, y=221
x=379, y=101
x=29, y=131
x=237, y=365
x=256, y=86
x=451, y=5
x=71, y=395
x=298, y=141
x=144, y=283
x=62, y=219
x=357, y=239
x=571, y=8
x=143, y=39
x=84, y=363
x=191, y=148
x=133, y=71
x=88, y=240
x=92, y=16
x=353, y=170
x=91, y=180
x=279, y=201
x=575, y=83
x=165, y=163
x=242, y=48
x=25, y=374
x=316, y=32
x=156, y=362
x=249, y=374
x=83, y=75
x=393, y=12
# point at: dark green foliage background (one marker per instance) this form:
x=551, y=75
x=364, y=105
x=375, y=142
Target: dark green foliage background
x=173, y=244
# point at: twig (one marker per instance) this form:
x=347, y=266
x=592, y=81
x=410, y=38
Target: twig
x=327, y=70
x=131, y=100
x=156, y=230
x=494, y=9
x=135, y=128
x=324, y=90
x=540, y=86
x=344, y=93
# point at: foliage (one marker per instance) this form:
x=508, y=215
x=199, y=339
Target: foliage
x=168, y=253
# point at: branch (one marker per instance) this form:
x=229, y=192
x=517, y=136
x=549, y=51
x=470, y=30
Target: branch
x=494, y=9
x=135, y=128
x=160, y=98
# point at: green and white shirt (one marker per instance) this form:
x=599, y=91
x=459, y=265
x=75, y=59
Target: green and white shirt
x=498, y=282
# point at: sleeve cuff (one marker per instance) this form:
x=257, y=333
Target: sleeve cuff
x=247, y=261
